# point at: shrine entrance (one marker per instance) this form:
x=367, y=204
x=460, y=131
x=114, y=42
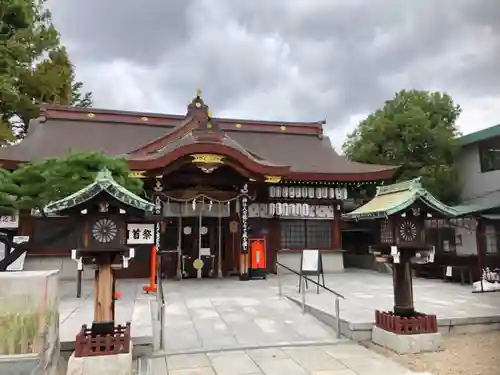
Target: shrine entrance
x=195, y=237
x=199, y=240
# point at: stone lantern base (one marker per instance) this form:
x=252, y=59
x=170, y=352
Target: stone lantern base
x=406, y=335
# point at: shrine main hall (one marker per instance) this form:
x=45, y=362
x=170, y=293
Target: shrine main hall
x=224, y=185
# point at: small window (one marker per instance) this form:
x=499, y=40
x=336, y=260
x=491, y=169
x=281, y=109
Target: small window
x=489, y=154
x=385, y=232
x=293, y=234
x=306, y=234
x=490, y=235
x=319, y=234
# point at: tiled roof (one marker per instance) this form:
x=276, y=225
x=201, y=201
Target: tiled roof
x=476, y=206
x=480, y=135
x=104, y=182
x=396, y=198
x=299, y=145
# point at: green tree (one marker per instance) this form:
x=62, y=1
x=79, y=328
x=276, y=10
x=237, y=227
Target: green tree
x=36, y=184
x=13, y=16
x=34, y=67
x=417, y=130
x=8, y=203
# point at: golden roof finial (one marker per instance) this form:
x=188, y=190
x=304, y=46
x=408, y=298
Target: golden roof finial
x=198, y=92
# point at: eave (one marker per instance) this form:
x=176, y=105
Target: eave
x=397, y=198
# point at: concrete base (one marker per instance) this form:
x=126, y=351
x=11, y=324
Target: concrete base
x=333, y=261
x=406, y=344
x=118, y=364
x=359, y=330
x=20, y=364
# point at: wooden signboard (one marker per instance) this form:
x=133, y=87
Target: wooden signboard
x=258, y=265
x=141, y=233
x=311, y=264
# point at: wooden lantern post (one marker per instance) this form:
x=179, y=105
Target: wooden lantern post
x=104, y=286
x=403, y=285
x=102, y=207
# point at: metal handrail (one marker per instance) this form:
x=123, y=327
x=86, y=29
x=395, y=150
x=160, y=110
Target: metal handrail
x=311, y=280
x=302, y=291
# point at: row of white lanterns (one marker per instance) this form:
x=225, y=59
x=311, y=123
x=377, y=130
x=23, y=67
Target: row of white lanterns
x=308, y=192
x=289, y=209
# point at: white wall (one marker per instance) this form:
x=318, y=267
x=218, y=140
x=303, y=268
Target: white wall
x=474, y=182
x=468, y=246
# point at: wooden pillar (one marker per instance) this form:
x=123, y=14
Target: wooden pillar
x=403, y=285
x=336, y=232
x=113, y=293
x=273, y=243
x=479, y=230
x=96, y=283
x=234, y=241
x=26, y=224
x=103, y=297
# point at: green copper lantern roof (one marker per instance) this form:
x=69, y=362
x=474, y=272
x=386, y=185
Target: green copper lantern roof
x=104, y=181
x=392, y=199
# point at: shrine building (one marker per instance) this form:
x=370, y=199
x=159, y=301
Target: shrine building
x=221, y=185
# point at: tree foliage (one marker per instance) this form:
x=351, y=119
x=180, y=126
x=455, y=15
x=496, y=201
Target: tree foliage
x=52, y=179
x=416, y=129
x=8, y=203
x=34, y=67
x=34, y=185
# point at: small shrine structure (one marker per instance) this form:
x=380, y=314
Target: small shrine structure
x=401, y=210
x=102, y=208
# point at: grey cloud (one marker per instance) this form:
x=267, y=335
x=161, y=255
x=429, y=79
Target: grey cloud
x=140, y=31
x=292, y=59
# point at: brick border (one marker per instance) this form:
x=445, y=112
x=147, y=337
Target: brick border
x=420, y=323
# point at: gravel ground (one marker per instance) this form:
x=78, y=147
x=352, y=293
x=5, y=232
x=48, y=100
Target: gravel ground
x=471, y=354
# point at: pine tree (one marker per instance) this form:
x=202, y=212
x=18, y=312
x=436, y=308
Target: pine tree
x=34, y=67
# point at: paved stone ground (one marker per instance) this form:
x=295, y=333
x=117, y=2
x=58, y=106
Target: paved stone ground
x=367, y=291
x=339, y=359
x=202, y=315
x=218, y=314
x=132, y=307
x=214, y=324
x=246, y=313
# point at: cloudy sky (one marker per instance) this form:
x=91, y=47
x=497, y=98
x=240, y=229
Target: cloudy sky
x=285, y=59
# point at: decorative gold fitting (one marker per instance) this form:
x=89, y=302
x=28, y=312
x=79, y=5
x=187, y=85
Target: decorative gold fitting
x=207, y=159
x=272, y=179
x=137, y=174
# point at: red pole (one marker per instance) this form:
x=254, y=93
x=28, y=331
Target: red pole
x=152, y=282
